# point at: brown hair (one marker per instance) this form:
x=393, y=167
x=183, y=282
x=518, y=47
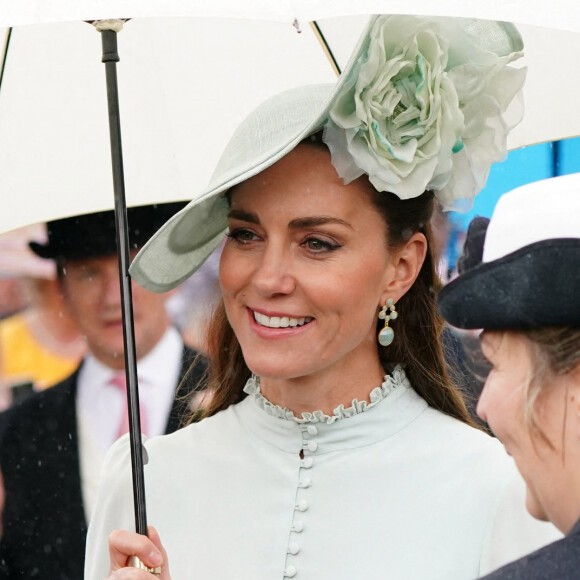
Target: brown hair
x=417, y=345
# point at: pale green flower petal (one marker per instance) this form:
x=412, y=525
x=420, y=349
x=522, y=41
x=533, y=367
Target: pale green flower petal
x=424, y=109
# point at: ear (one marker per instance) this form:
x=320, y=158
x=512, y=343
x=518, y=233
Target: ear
x=407, y=263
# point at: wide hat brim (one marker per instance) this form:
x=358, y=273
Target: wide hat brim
x=536, y=286
x=274, y=129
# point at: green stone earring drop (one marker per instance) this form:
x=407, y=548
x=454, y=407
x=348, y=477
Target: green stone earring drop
x=388, y=312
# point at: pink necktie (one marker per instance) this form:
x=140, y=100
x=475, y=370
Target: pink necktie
x=119, y=380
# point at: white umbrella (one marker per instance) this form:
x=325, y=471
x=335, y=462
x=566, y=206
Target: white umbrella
x=184, y=86
x=175, y=119
x=561, y=14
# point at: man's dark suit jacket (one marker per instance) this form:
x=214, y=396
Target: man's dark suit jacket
x=557, y=561
x=44, y=521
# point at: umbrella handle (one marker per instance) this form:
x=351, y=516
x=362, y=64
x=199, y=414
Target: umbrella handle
x=134, y=562
x=108, y=31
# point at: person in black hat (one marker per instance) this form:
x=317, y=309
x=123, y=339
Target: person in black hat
x=53, y=443
x=521, y=285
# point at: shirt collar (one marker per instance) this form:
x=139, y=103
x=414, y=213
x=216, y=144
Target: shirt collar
x=381, y=420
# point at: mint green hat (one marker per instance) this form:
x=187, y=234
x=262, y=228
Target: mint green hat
x=423, y=104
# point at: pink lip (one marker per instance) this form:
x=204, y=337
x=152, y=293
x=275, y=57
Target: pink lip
x=275, y=333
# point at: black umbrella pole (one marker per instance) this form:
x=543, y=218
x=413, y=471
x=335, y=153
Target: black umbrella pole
x=110, y=58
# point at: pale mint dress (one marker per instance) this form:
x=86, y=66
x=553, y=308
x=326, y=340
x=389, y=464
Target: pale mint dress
x=390, y=489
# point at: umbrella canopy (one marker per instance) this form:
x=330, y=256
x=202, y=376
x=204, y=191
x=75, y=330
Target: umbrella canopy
x=185, y=84
x=563, y=15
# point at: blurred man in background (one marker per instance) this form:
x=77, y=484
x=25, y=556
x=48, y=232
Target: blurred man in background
x=53, y=442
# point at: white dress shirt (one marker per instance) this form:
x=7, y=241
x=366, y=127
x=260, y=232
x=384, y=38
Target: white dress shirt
x=100, y=405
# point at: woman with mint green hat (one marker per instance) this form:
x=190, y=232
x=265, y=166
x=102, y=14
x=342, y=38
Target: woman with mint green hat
x=335, y=445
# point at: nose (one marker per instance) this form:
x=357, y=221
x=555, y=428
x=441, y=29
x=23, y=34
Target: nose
x=111, y=285
x=273, y=273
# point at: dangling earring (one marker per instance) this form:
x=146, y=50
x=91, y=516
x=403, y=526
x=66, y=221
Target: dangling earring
x=387, y=334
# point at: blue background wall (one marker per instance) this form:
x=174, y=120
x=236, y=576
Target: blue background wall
x=521, y=166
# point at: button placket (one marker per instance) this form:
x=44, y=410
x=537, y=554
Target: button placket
x=303, y=495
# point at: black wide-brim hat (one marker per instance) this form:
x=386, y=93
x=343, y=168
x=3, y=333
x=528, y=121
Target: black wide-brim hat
x=94, y=235
x=529, y=273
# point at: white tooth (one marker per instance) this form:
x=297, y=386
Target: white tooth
x=280, y=322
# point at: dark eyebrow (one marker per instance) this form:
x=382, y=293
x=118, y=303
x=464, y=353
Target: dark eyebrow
x=295, y=224
x=309, y=222
x=244, y=216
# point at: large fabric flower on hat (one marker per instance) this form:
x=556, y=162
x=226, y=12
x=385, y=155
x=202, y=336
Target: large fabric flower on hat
x=426, y=107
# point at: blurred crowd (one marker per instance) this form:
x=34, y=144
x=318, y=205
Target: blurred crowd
x=40, y=342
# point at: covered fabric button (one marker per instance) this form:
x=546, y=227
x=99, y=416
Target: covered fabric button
x=290, y=572
x=312, y=446
x=297, y=527
x=306, y=482
x=302, y=506
x=293, y=548
x=312, y=430
x=307, y=462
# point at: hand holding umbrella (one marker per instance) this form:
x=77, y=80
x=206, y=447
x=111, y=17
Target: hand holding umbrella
x=142, y=552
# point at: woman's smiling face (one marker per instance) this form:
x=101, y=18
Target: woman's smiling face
x=545, y=462
x=305, y=269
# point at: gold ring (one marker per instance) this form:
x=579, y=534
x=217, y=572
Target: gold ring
x=134, y=562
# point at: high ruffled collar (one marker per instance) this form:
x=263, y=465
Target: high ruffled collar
x=391, y=382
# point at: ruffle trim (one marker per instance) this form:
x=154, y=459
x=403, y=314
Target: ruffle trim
x=396, y=379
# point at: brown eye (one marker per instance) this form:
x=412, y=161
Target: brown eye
x=242, y=235
x=318, y=246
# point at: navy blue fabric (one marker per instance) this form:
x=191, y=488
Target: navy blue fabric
x=557, y=561
x=536, y=286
